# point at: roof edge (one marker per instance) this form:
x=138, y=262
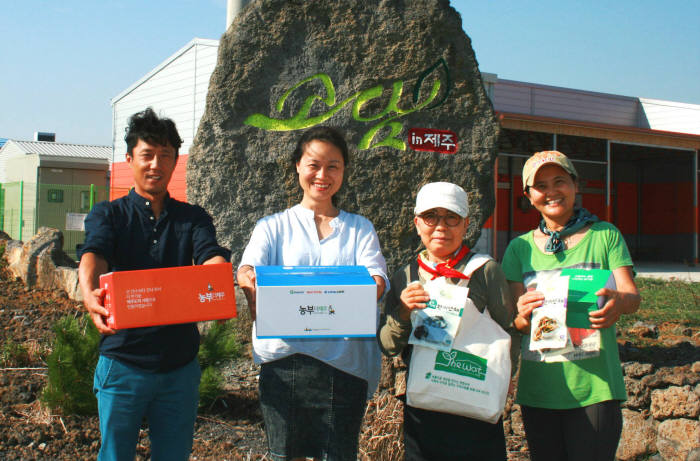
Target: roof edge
x=55, y=143
x=640, y=99
x=68, y=159
x=567, y=89
x=676, y=104
x=694, y=138
x=192, y=43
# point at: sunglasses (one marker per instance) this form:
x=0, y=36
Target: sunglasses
x=432, y=219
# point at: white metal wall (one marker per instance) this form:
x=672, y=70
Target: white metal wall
x=547, y=101
x=22, y=168
x=565, y=103
x=8, y=151
x=672, y=116
x=176, y=89
x=5, y=153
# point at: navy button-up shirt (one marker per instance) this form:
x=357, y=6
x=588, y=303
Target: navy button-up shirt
x=127, y=234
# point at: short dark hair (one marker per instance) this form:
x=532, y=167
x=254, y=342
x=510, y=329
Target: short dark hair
x=321, y=133
x=148, y=127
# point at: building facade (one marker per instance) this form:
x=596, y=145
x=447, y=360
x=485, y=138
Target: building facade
x=51, y=184
x=177, y=88
x=637, y=158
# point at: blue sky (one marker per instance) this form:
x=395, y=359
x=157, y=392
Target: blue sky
x=63, y=61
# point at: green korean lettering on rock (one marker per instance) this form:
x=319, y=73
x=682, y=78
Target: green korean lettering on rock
x=302, y=118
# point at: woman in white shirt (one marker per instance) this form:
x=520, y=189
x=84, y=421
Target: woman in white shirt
x=313, y=391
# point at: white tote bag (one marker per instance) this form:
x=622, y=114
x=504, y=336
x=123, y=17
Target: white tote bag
x=470, y=380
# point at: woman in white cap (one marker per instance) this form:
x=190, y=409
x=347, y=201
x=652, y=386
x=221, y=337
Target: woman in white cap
x=441, y=220
x=313, y=391
x=570, y=400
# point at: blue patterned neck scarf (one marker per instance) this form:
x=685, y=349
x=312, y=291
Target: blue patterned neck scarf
x=578, y=221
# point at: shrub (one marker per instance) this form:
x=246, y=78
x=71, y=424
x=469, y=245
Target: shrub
x=210, y=386
x=75, y=353
x=219, y=346
x=72, y=364
x=13, y=354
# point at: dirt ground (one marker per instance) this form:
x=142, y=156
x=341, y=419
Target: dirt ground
x=230, y=430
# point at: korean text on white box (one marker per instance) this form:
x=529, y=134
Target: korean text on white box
x=315, y=301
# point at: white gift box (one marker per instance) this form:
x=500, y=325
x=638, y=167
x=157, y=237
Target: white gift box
x=315, y=301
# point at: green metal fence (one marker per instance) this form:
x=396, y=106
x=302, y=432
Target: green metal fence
x=25, y=207
x=16, y=198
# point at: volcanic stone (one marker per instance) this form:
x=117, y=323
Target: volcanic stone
x=638, y=436
x=374, y=68
x=675, y=402
x=42, y=263
x=679, y=439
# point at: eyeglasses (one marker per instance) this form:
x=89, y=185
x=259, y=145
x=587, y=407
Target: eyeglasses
x=433, y=219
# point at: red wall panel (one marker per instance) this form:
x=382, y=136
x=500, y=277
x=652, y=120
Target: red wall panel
x=626, y=209
x=667, y=208
x=122, y=180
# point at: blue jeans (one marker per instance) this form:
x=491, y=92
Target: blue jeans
x=125, y=395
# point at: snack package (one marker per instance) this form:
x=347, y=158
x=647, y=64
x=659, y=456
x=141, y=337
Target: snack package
x=583, y=285
x=436, y=326
x=588, y=346
x=548, y=322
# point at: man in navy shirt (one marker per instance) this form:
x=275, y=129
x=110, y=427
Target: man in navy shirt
x=147, y=372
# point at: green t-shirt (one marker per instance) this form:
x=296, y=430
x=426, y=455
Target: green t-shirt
x=580, y=379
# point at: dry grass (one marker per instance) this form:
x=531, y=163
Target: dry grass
x=36, y=413
x=381, y=437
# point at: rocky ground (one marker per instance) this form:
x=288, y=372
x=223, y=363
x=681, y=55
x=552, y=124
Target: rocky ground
x=232, y=428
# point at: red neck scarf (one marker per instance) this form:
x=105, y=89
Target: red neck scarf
x=445, y=269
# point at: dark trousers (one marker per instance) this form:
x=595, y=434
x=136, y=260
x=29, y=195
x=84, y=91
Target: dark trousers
x=311, y=409
x=432, y=436
x=589, y=433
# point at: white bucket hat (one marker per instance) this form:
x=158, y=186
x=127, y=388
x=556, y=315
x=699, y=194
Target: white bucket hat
x=442, y=195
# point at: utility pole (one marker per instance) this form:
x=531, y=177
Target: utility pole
x=233, y=7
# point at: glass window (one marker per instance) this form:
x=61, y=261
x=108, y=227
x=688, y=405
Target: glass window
x=55, y=196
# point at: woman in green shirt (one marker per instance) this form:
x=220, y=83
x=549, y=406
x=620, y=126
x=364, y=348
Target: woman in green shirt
x=570, y=399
